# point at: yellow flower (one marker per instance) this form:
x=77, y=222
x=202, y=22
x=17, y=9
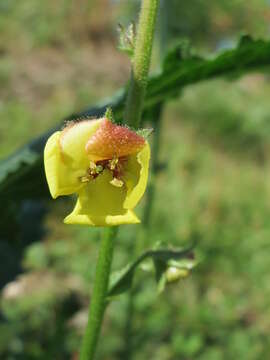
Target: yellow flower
x=105, y=164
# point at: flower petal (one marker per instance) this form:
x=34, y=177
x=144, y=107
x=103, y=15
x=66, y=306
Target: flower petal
x=112, y=140
x=73, y=140
x=60, y=180
x=135, y=176
x=101, y=204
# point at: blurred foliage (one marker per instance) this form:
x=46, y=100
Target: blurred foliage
x=216, y=23
x=215, y=186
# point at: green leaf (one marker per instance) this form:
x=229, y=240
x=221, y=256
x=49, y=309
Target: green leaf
x=9, y=166
x=127, y=39
x=121, y=281
x=181, y=52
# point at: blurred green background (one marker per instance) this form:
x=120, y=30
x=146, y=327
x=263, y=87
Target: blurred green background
x=57, y=58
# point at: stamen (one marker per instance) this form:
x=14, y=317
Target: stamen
x=84, y=179
x=92, y=165
x=117, y=182
x=113, y=163
x=115, y=166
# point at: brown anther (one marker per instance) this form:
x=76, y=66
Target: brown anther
x=115, y=166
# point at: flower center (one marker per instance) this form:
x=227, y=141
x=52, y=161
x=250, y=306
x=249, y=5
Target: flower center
x=114, y=165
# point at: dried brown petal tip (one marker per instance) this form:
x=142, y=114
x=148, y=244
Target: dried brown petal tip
x=113, y=141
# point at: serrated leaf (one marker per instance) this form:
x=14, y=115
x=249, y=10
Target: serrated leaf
x=11, y=165
x=181, y=52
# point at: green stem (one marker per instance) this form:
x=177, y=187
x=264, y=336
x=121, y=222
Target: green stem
x=141, y=62
x=133, y=112
x=98, y=299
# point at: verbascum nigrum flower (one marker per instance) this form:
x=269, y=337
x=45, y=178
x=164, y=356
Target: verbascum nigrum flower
x=105, y=164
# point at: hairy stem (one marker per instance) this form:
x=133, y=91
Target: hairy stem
x=141, y=62
x=98, y=299
x=133, y=112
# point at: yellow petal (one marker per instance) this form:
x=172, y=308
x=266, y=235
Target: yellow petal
x=101, y=204
x=60, y=180
x=73, y=140
x=135, y=176
x=65, y=158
